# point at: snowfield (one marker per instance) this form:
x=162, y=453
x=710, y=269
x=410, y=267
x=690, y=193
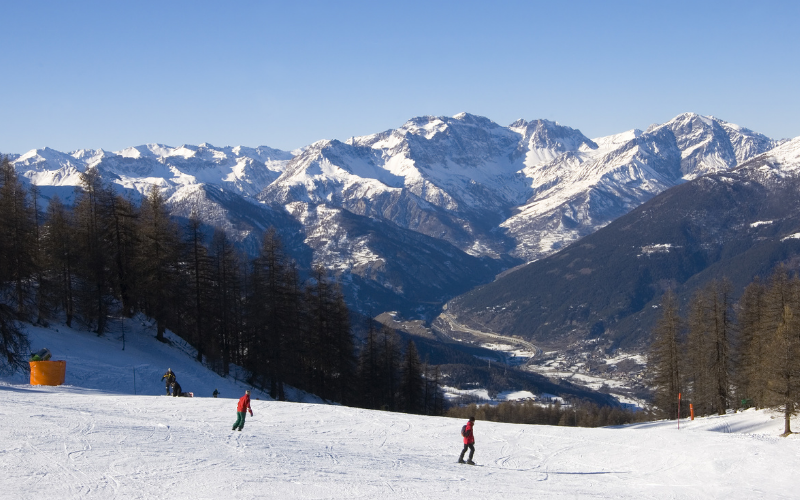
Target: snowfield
x=93, y=438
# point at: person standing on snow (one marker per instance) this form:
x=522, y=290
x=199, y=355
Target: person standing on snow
x=168, y=378
x=469, y=442
x=242, y=409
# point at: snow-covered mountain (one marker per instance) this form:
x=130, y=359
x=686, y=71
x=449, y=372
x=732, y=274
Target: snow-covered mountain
x=244, y=170
x=778, y=163
x=581, y=191
x=463, y=184
x=454, y=179
x=604, y=291
x=219, y=183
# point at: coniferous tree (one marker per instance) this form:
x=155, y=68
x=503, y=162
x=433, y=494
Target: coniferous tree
x=411, y=382
x=343, y=347
x=227, y=297
x=722, y=335
x=328, y=338
x=17, y=239
x=295, y=333
x=752, y=351
x=95, y=286
x=369, y=369
x=781, y=367
x=197, y=303
x=438, y=403
x=60, y=249
x=433, y=397
x=267, y=314
x=698, y=376
x=14, y=345
x=15, y=218
x=158, y=261
x=321, y=360
x=708, y=345
x=124, y=245
x=43, y=284
x=389, y=367
x=664, y=358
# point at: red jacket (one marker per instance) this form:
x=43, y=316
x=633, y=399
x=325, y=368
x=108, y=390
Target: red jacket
x=468, y=437
x=244, y=403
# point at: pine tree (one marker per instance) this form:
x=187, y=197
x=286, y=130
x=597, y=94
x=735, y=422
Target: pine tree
x=320, y=361
x=699, y=384
x=389, y=367
x=14, y=268
x=295, y=333
x=95, y=285
x=709, y=346
x=60, y=249
x=271, y=312
x=14, y=345
x=343, y=348
x=43, y=284
x=751, y=354
x=369, y=369
x=124, y=245
x=781, y=366
x=722, y=334
x=433, y=398
x=664, y=363
x=412, y=382
x=438, y=394
x=17, y=239
x=197, y=268
x=157, y=262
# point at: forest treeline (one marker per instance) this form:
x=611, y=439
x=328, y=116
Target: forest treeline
x=106, y=257
x=580, y=414
x=727, y=355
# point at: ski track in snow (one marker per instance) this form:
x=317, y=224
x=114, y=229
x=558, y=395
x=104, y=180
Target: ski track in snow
x=58, y=443
x=95, y=439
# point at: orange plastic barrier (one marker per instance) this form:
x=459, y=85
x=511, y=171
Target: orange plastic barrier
x=48, y=372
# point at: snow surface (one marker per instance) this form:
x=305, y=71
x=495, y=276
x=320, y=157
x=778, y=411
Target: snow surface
x=93, y=438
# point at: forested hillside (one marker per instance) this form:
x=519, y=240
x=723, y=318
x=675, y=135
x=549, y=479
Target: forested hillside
x=107, y=257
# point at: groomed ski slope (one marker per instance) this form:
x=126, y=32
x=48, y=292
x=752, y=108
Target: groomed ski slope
x=103, y=442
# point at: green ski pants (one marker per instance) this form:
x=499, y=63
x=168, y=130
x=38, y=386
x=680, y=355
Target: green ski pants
x=240, y=416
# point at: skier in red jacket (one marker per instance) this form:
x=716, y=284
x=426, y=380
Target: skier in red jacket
x=469, y=442
x=242, y=409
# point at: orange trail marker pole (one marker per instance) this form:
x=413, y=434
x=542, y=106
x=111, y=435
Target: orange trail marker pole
x=679, y=411
x=691, y=410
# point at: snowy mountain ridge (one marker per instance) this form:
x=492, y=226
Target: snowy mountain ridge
x=246, y=170
x=506, y=194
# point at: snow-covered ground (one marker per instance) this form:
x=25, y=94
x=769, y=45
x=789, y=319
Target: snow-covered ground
x=93, y=438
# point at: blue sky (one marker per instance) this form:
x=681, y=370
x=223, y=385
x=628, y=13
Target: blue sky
x=285, y=74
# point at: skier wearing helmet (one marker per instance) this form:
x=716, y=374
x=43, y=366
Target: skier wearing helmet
x=168, y=378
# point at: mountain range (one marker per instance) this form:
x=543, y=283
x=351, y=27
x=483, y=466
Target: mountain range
x=411, y=217
x=605, y=289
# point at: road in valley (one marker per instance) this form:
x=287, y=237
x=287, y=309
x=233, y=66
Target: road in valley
x=454, y=325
